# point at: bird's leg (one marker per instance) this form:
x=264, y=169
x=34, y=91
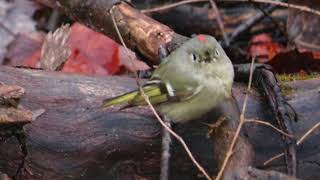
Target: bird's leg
x=165, y=153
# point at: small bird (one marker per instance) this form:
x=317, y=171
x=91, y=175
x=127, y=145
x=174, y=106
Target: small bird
x=188, y=83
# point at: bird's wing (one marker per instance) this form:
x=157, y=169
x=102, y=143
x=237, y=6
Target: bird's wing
x=178, y=78
x=157, y=91
x=171, y=81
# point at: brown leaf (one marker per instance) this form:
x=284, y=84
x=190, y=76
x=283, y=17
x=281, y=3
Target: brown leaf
x=11, y=91
x=12, y=116
x=55, y=49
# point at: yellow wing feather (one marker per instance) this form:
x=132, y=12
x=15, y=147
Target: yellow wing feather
x=134, y=98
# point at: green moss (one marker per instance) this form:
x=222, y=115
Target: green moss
x=286, y=89
x=283, y=78
x=297, y=76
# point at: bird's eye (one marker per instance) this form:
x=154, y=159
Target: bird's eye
x=216, y=52
x=194, y=57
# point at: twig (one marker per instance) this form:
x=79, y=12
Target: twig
x=220, y=23
x=146, y=98
x=245, y=26
x=126, y=49
x=165, y=155
x=283, y=112
x=177, y=137
x=169, y=6
x=274, y=21
x=270, y=125
x=308, y=133
x=242, y=121
x=299, y=142
x=5, y=28
x=214, y=8
x=273, y=158
x=277, y=3
x=282, y=4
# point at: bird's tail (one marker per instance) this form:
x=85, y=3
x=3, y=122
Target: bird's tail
x=155, y=92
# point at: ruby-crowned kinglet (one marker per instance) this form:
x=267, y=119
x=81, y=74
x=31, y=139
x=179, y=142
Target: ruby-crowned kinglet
x=188, y=83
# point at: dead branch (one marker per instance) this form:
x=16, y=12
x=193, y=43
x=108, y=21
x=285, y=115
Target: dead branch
x=75, y=130
x=139, y=31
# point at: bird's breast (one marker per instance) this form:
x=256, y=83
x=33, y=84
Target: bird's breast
x=193, y=108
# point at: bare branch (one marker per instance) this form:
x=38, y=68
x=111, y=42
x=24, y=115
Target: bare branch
x=242, y=121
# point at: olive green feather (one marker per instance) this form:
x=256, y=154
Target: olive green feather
x=155, y=93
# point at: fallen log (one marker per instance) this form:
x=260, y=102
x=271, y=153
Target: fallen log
x=75, y=138
x=147, y=36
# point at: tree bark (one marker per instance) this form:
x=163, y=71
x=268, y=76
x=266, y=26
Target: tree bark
x=76, y=138
x=140, y=32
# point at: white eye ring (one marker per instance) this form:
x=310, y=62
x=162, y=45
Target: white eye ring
x=216, y=52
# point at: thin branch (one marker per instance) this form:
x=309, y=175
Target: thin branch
x=248, y=24
x=169, y=6
x=146, y=98
x=308, y=133
x=282, y=4
x=245, y=26
x=165, y=155
x=214, y=8
x=242, y=121
x=220, y=23
x=5, y=28
x=277, y=3
x=299, y=142
x=177, y=137
x=126, y=49
x=268, y=14
x=270, y=125
x=273, y=158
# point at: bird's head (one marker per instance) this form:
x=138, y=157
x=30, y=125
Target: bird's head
x=206, y=57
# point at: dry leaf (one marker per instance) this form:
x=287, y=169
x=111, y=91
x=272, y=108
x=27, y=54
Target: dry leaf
x=13, y=116
x=55, y=49
x=11, y=91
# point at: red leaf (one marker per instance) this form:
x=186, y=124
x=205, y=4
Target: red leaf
x=95, y=53
x=33, y=60
x=91, y=52
x=79, y=63
x=263, y=48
